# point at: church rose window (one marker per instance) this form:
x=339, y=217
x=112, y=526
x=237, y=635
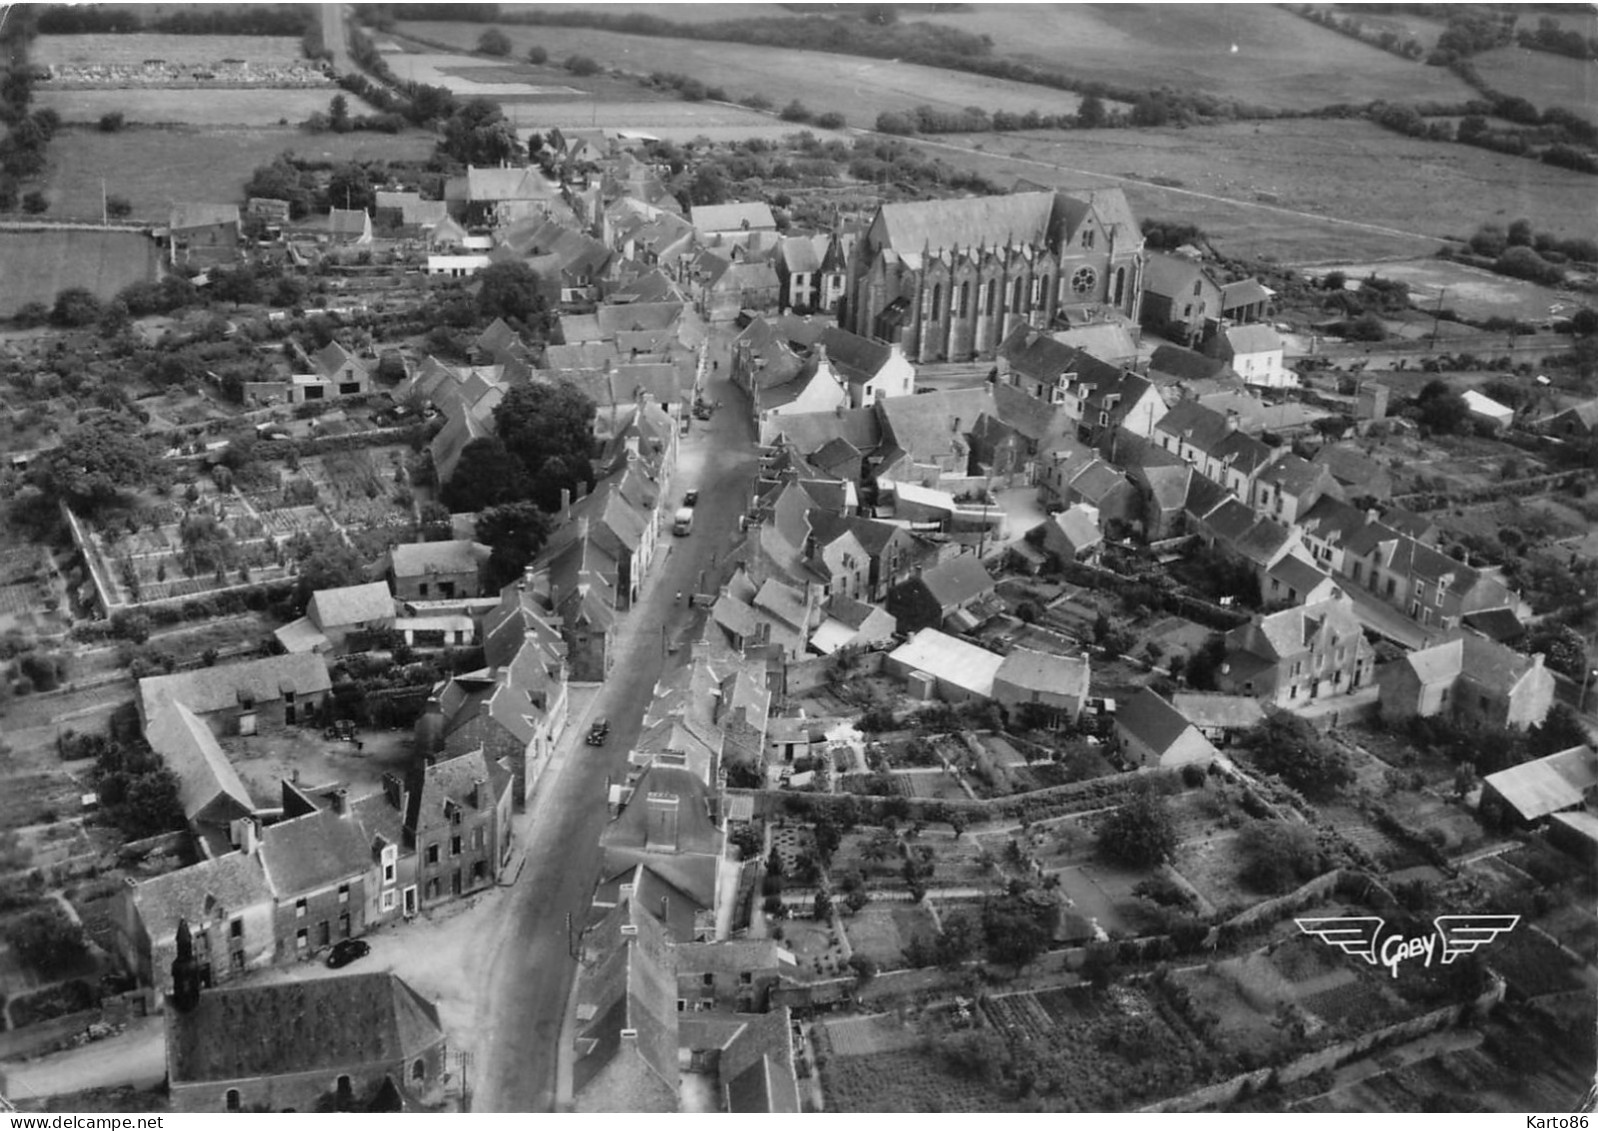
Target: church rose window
x=1083, y=279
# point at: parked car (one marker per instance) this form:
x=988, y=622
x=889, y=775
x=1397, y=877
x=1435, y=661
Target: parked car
x=346, y=951
x=599, y=732
x=690, y=498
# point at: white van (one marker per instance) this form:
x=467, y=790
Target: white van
x=684, y=520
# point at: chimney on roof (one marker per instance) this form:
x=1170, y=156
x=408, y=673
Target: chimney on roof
x=247, y=835
x=479, y=793
x=341, y=801
x=1371, y=515
x=394, y=791
x=582, y=490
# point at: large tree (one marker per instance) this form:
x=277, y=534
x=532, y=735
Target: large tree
x=326, y=561
x=478, y=133
x=104, y=456
x=515, y=532
x=510, y=291
x=1300, y=755
x=1141, y=832
x=486, y=475
x=538, y=423
x=1278, y=855
x=1015, y=929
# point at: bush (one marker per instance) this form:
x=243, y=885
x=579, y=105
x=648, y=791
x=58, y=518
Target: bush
x=494, y=42
x=796, y=111
x=831, y=120
x=47, y=940
x=537, y=55
x=581, y=65
x=111, y=123
x=35, y=202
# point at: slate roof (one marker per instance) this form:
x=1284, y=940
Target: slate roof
x=1243, y=452
x=1354, y=468
x=810, y=431
x=1234, y=712
x=633, y=986
x=1096, y=480
x=418, y=559
x=756, y=1067
x=204, y=690
x=1152, y=720
x=933, y=425
x=1108, y=341
x=1078, y=527
x=348, y=221
x=451, y=782
x=1287, y=633
x=1290, y=474
x=192, y=752
x=351, y=605
x=307, y=1025
x=1028, y=670
x=222, y=885
x=966, y=222
x=494, y=184
x=1253, y=337
x=755, y=215
x=785, y=602
x=1201, y=427
x=1185, y=364
x=1204, y=495
x=802, y=254
x=1501, y=625
x=857, y=359
x=1559, y=781
x=1332, y=520
x=318, y=850
x=1298, y=574
x=958, y=581
x=1172, y=276
x=1229, y=521
x=1243, y=292
x=950, y=659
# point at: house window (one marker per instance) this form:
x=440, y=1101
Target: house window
x=299, y=909
x=1420, y=591
x=1392, y=586
x=231, y=1101
x=710, y=979
x=390, y=900
x=235, y=929
x=477, y=837
x=344, y=893
x=237, y=960
x=432, y=854
x=1104, y=419
x=1088, y=237
x=965, y=299
x=1198, y=287
x=1414, y=609
x=454, y=846
x=419, y=1069
x=390, y=858
x=455, y=817
x=324, y=933
x=990, y=293
x=302, y=939
x=937, y=303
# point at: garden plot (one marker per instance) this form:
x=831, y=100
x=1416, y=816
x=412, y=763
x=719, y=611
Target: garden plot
x=215, y=543
x=865, y=1036
x=1103, y=896
x=1053, y=844
x=958, y=862
x=134, y=49
x=1211, y=866
x=816, y=946
x=1239, y=1025
x=881, y=931
x=935, y=785
x=791, y=842
x=904, y=1080
x=363, y=488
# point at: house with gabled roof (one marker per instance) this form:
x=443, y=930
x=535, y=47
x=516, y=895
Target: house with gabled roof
x=321, y=869
x=1163, y=482
x=1360, y=476
x=349, y=226
x=1181, y=297
x=1151, y=733
x=203, y=233
x=1187, y=374
x=353, y=1042
x=458, y=824
x=210, y=790
x=242, y=697
x=1296, y=581
x=956, y=671
x=438, y=571
x=336, y=617
x=1220, y=718
x=870, y=369
x=227, y=902
x=1471, y=679
x=813, y=269
x=941, y=592
x=1431, y=587
x=667, y=819
x=848, y=623
x=1058, y=684
x=1108, y=490
x=1255, y=353
x=1299, y=655
x=1073, y=535
x=1290, y=485
x=1578, y=422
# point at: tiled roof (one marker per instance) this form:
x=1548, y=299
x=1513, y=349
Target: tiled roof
x=1559, y=781
x=1185, y=365
x=1043, y=671
x=1290, y=474
x=1172, y=276
x=418, y=559
x=1235, y=712
x=318, y=850
x=193, y=754
x=354, y=1021
x=217, y=688
x=957, y=581
x=1190, y=421
x=1153, y=721
x=754, y=215
x=991, y=221
x=1253, y=337
x=1079, y=527
x=351, y=605
x=221, y=886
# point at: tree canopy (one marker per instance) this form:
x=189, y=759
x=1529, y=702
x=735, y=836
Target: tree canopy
x=326, y=561
x=540, y=423
x=511, y=291
x=104, y=456
x=515, y=532
x=1292, y=749
x=1141, y=832
x=1278, y=856
x=486, y=476
x=1441, y=408
x=478, y=133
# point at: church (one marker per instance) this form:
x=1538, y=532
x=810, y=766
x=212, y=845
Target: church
x=947, y=280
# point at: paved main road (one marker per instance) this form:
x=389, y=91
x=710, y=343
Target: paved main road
x=531, y=973
x=333, y=37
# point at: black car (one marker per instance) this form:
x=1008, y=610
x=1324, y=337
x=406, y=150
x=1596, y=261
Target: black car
x=346, y=951
x=690, y=498
x=598, y=733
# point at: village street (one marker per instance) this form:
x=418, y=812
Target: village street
x=531, y=970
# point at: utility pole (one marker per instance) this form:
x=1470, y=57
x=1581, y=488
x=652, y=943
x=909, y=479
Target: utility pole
x=1437, y=316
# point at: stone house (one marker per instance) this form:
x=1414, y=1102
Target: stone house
x=1255, y=353
x=241, y=698
x=1298, y=655
x=438, y=571
x=1073, y=535
x=458, y=821
x=1057, y=683
x=1152, y=734
x=1289, y=486
x=227, y=902
x=1470, y=679
x=1180, y=297
x=937, y=593
x=870, y=370
x=319, y=864
x=349, y=1043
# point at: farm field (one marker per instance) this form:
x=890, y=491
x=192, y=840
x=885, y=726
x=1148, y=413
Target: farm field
x=1543, y=79
x=1472, y=291
x=39, y=264
x=180, y=50
x=854, y=86
x=1334, y=189
x=1253, y=54
x=260, y=106
x=468, y=78
x=154, y=169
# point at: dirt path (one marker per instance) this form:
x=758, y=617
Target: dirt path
x=136, y=1056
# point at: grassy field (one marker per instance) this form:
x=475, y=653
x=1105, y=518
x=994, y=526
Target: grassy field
x=1472, y=291
x=1252, y=53
x=38, y=264
x=179, y=50
x=154, y=169
x=256, y=107
x=1541, y=78
x=1301, y=191
x=856, y=87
